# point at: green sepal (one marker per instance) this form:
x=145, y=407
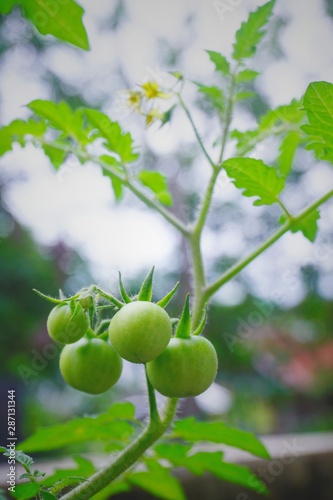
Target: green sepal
x=183, y=330
x=166, y=299
x=122, y=290
x=76, y=308
x=61, y=300
x=146, y=290
x=47, y=297
x=202, y=323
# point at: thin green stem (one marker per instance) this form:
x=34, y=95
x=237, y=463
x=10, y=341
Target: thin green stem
x=195, y=130
x=154, y=415
x=108, y=297
x=124, y=179
x=228, y=115
x=234, y=270
x=126, y=458
x=284, y=208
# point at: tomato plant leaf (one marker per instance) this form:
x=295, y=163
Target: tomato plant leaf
x=157, y=183
x=25, y=491
x=251, y=31
x=26, y=461
x=276, y=122
x=255, y=178
x=287, y=150
x=117, y=184
x=60, y=19
x=160, y=483
x=198, y=463
x=192, y=430
x=221, y=63
x=318, y=104
x=245, y=94
x=59, y=115
x=17, y=131
x=6, y=6
x=55, y=154
x=308, y=226
x=214, y=94
x=115, y=139
x=73, y=474
x=246, y=75
x=113, y=425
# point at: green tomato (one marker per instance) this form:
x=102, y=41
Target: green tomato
x=63, y=328
x=140, y=331
x=187, y=367
x=90, y=365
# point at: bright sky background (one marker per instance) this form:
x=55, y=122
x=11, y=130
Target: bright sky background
x=78, y=206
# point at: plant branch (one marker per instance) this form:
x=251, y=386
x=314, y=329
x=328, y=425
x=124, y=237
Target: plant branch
x=139, y=193
x=154, y=415
x=195, y=130
x=228, y=115
x=234, y=270
x=284, y=208
x=126, y=458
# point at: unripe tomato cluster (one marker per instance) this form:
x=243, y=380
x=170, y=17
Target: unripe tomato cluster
x=140, y=332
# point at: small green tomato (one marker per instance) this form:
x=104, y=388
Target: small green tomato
x=140, y=331
x=62, y=327
x=90, y=365
x=187, y=367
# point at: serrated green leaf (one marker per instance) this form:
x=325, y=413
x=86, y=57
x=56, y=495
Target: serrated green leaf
x=276, y=122
x=58, y=114
x=159, y=483
x=26, y=461
x=60, y=19
x=318, y=104
x=157, y=183
x=192, y=430
x=250, y=33
x=17, y=131
x=221, y=63
x=287, y=150
x=109, y=426
x=247, y=75
x=255, y=178
x=246, y=94
x=180, y=455
x=214, y=94
x=25, y=491
x=64, y=477
x=146, y=290
x=114, y=138
x=6, y=6
x=308, y=226
x=117, y=184
x=56, y=156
